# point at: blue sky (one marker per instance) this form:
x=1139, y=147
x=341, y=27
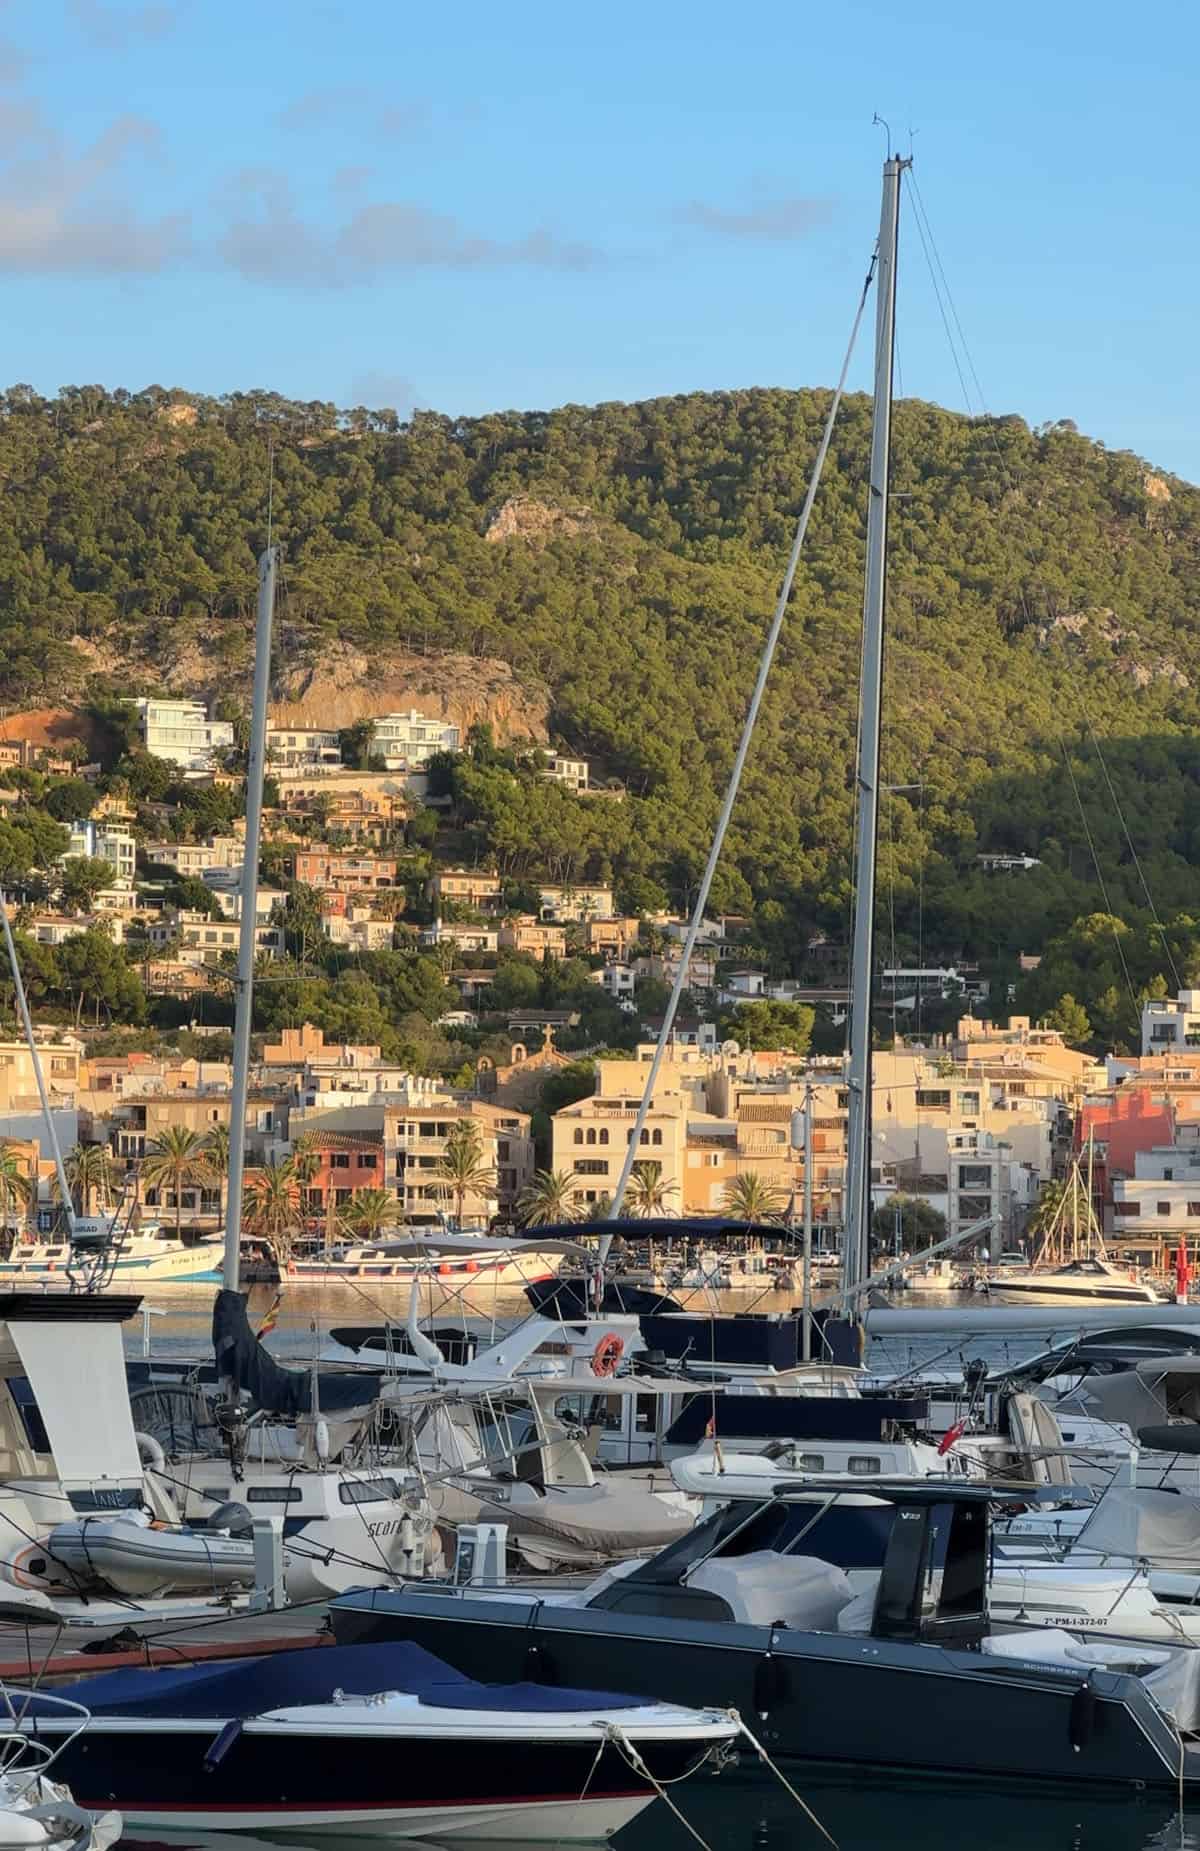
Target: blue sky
x=487, y=206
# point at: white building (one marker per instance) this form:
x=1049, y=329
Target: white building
x=573, y=772
x=402, y=740
x=195, y=857
x=57, y=928
x=182, y=732
x=577, y=901
x=1162, y=1197
x=616, y=980
x=202, y=940
x=466, y=937
x=106, y=842
x=1170, y=1025
x=302, y=747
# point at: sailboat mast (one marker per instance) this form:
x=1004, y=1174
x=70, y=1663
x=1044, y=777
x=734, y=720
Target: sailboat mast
x=857, y=1216
x=247, y=936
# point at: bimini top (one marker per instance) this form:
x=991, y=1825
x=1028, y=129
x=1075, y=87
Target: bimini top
x=290, y=1680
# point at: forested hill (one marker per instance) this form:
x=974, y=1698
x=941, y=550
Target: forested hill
x=1042, y=590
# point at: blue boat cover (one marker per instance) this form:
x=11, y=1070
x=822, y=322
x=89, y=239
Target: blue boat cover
x=286, y=1680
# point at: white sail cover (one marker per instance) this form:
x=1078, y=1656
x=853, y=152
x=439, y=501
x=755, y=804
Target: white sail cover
x=1156, y=1525
x=77, y=1374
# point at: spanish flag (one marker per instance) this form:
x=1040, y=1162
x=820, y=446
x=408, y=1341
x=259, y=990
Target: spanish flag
x=272, y=1318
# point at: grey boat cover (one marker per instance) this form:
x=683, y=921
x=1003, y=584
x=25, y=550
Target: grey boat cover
x=1158, y=1525
x=1158, y=1390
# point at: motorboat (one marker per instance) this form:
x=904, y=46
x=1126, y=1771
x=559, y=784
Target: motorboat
x=1080, y=1281
x=150, y=1256
x=910, y=1675
x=455, y=1259
x=383, y=1740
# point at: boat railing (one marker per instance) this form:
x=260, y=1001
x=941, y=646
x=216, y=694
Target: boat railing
x=23, y=1754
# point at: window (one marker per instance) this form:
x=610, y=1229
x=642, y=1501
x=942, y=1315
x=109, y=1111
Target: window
x=604, y=1134
x=578, y=1135
x=974, y=1207
x=932, y=1099
x=1163, y=1209
x=590, y=1166
x=656, y=1136
x=369, y=1491
x=864, y=1465
x=1127, y=1208
x=591, y=1136
x=1193, y=1208
x=365, y=1162
x=272, y=1494
x=645, y=1137
x=809, y=1462
x=339, y=1160
x=968, y=1103
x=974, y=1176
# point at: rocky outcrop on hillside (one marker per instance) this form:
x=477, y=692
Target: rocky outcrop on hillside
x=343, y=685
x=523, y=517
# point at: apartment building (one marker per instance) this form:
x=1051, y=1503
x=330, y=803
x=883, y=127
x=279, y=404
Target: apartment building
x=301, y=747
x=465, y=937
x=576, y=901
x=612, y=938
x=196, y=858
x=182, y=732
x=346, y=871
x=61, y=1056
x=346, y=1163
x=402, y=740
x=1172, y=1024
x=201, y=939
x=106, y=842
x=466, y=887
x=307, y=1046
x=534, y=937
x=357, y=931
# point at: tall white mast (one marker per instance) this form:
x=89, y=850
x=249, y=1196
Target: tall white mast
x=247, y=936
x=857, y=1221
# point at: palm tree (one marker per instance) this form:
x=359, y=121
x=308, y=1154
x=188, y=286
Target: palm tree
x=371, y=1211
x=174, y=1160
x=16, y=1185
x=751, y=1198
x=272, y=1199
x=549, y=1197
x=1052, y=1205
x=647, y=1192
x=216, y=1144
x=461, y=1166
x=306, y=1162
x=90, y=1171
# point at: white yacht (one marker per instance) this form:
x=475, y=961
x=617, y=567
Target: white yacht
x=1078, y=1282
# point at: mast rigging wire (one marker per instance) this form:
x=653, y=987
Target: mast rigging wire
x=739, y=762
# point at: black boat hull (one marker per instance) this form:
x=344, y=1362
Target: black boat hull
x=823, y=1697
x=274, y=1778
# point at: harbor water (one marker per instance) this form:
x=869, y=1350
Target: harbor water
x=745, y=1808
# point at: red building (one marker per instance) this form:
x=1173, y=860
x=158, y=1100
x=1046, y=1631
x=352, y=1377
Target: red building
x=347, y=1162
x=346, y=872
x=1130, y=1120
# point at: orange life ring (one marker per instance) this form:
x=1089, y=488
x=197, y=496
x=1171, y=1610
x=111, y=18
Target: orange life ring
x=607, y=1354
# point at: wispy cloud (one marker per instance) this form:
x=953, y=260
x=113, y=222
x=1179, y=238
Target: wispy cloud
x=268, y=241
x=111, y=25
x=357, y=107
x=65, y=211
x=379, y=390
x=776, y=221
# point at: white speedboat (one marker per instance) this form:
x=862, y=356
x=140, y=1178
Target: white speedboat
x=1079, y=1282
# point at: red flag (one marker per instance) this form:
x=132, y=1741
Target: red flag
x=951, y=1437
x=1183, y=1274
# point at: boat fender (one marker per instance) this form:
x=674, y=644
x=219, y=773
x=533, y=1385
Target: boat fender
x=607, y=1354
x=150, y=1452
x=220, y=1745
x=770, y=1683
x=1083, y=1716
